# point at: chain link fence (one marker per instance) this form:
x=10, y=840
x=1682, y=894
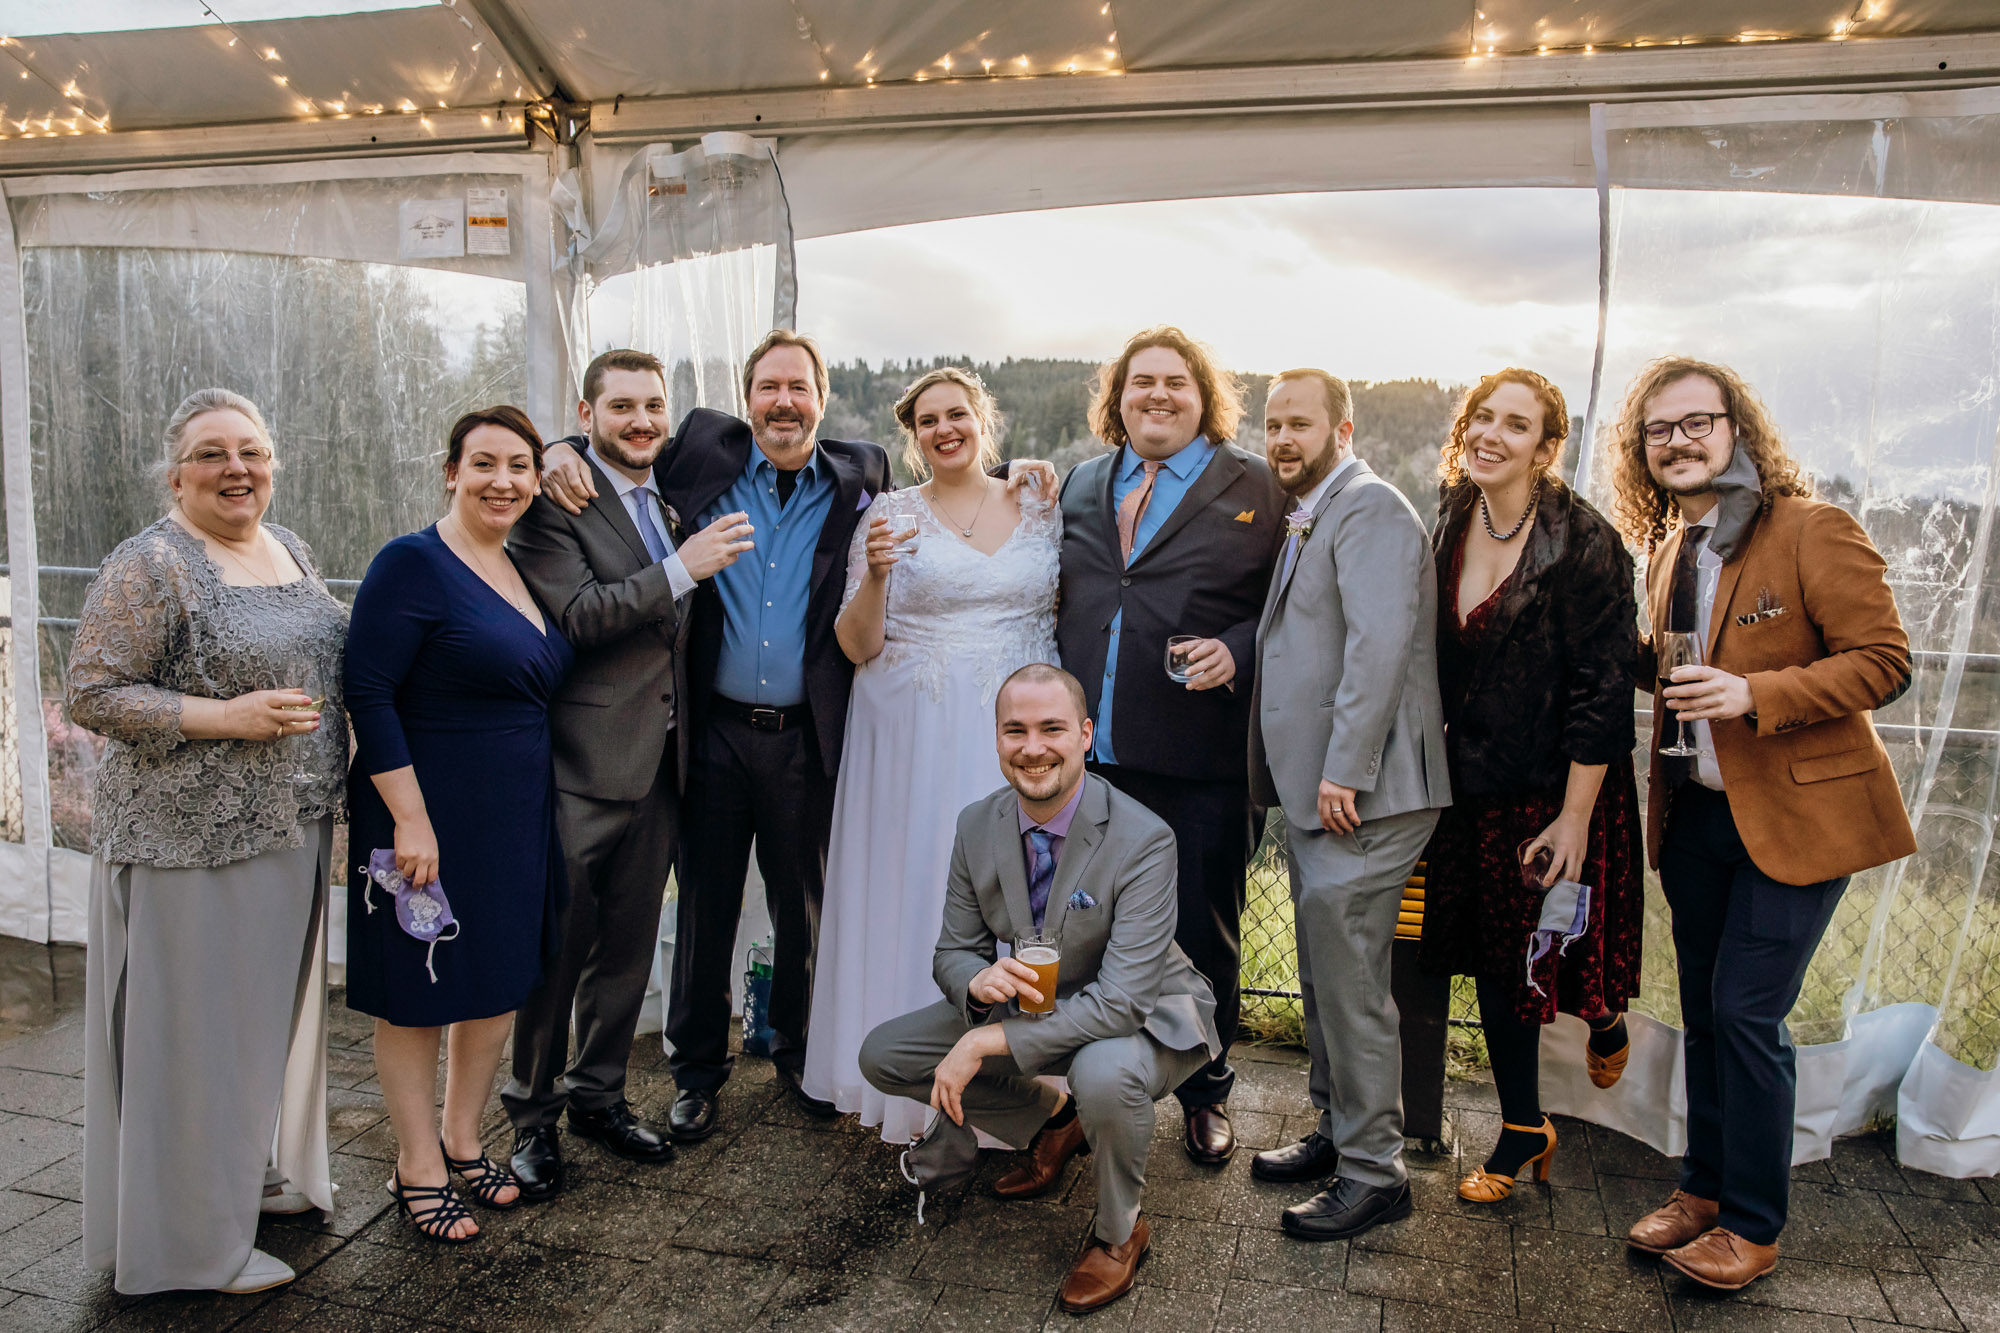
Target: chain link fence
x=1926, y=929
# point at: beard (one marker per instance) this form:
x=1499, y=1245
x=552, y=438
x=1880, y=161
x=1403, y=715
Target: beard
x=627, y=455
x=1312, y=473
x=766, y=430
x=1699, y=486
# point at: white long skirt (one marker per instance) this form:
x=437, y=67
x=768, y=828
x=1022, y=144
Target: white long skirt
x=909, y=765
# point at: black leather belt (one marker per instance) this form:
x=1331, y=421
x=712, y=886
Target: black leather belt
x=761, y=718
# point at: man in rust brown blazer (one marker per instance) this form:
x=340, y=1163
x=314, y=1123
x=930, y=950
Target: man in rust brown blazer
x=1790, y=791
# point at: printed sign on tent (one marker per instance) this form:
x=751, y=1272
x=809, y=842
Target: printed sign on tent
x=433, y=228
x=486, y=222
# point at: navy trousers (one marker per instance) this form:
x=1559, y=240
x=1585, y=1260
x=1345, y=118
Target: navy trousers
x=1744, y=942
x=1211, y=824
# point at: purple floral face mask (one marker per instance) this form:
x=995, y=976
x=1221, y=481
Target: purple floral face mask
x=424, y=914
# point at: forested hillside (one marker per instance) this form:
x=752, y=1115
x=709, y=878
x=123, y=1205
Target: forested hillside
x=1398, y=424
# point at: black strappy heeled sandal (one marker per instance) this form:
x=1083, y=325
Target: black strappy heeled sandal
x=484, y=1179
x=435, y=1222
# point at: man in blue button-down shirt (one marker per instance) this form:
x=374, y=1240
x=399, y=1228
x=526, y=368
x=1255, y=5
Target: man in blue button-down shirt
x=769, y=689
x=1175, y=533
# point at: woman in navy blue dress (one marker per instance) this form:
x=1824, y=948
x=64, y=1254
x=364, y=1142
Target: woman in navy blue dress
x=450, y=668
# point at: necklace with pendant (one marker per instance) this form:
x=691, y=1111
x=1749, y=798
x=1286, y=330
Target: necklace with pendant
x=485, y=571
x=965, y=529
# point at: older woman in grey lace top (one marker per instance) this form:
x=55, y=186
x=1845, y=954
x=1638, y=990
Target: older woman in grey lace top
x=209, y=655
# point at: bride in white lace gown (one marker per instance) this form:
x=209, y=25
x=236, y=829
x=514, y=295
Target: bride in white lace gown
x=934, y=632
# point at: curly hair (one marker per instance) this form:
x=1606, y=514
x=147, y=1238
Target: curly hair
x=1555, y=423
x=1222, y=396
x=1641, y=506
x=991, y=422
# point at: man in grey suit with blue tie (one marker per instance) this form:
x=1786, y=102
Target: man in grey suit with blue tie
x=613, y=579
x=1057, y=852
x=1347, y=734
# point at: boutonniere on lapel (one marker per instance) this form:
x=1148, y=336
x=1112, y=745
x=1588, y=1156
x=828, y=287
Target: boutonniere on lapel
x=1299, y=523
x=674, y=525
x=1081, y=901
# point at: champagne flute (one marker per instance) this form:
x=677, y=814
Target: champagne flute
x=1675, y=650
x=301, y=743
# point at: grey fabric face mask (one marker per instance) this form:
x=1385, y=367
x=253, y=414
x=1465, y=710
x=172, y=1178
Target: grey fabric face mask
x=1739, y=495
x=944, y=1155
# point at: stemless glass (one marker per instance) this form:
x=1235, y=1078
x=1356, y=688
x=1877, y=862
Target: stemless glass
x=1179, y=649
x=902, y=521
x=1676, y=650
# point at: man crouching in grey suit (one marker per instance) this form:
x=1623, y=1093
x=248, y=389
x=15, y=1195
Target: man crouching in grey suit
x=1347, y=733
x=1058, y=853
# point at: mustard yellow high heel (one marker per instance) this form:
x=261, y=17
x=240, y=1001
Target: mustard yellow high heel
x=1484, y=1186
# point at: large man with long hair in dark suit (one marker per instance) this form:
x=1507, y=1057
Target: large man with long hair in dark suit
x=1174, y=531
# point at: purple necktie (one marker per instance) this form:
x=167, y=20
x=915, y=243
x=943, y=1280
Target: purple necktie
x=1041, y=871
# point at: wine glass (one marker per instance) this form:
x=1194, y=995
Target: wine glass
x=1675, y=650
x=302, y=743
x=1180, y=648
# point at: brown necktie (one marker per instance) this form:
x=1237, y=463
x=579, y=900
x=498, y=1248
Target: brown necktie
x=1132, y=508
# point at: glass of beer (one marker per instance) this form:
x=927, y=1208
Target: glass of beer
x=1044, y=954
x=1179, y=649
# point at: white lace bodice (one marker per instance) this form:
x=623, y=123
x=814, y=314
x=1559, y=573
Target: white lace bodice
x=948, y=602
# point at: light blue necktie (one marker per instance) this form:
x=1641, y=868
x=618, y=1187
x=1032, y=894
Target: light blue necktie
x=649, y=527
x=1041, y=871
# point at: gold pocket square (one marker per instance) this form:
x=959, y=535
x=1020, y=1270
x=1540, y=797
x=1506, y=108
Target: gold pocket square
x=1247, y=516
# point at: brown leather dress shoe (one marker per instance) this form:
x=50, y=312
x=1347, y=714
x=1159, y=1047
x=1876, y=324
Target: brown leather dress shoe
x=1210, y=1139
x=1722, y=1259
x=1047, y=1156
x=1673, y=1224
x=1103, y=1273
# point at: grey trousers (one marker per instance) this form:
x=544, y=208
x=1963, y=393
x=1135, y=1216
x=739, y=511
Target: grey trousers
x=194, y=982
x=617, y=855
x=1115, y=1083
x=1345, y=891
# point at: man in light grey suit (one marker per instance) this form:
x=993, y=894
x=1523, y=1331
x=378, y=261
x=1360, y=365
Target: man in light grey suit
x=614, y=580
x=1347, y=734
x=1063, y=853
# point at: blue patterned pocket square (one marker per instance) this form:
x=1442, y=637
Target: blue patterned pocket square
x=1081, y=901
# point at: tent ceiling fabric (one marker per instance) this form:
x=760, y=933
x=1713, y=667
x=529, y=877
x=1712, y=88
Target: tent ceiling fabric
x=409, y=60
x=603, y=50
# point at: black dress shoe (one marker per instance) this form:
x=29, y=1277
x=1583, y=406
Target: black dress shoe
x=811, y=1105
x=692, y=1118
x=1308, y=1159
x=538, y=1163
x=620, y=1132
x=1348, y=1209
x=1210, y=1139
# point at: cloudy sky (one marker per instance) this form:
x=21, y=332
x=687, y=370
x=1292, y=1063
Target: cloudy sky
x=1443, y=284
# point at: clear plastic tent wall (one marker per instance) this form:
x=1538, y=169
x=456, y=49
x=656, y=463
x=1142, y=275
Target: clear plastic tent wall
x=363, y=305
x=693, y=262
x=1843, y=254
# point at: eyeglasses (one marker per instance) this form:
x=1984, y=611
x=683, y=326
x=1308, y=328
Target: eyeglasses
x=209, y=456
x=1694, y=426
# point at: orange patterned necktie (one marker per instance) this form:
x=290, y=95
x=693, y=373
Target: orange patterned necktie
x=1133, y=507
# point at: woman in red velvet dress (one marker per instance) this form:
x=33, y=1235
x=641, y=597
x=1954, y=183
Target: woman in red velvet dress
x=1536, y=630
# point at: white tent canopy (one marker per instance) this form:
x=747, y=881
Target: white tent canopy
x=164, y=162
